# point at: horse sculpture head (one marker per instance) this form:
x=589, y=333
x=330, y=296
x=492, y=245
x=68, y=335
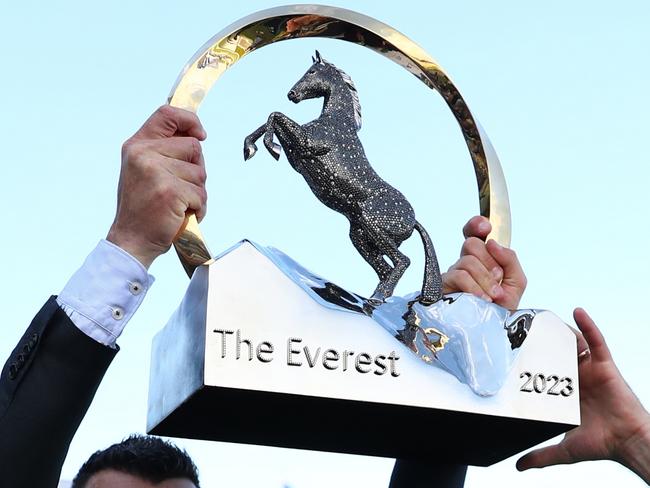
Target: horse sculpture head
x=320, y=80
x=316, y=82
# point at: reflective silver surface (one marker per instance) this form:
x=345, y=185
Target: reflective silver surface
x=480, y=340
x=178, y=350
x=263, y=352
x=476, y=341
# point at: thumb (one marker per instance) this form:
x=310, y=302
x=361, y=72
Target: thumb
x=546, y=456
x=477, y=226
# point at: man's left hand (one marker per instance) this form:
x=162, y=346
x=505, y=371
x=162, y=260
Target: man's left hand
x=486, y=269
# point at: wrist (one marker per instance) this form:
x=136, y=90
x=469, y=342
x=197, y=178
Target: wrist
x=634, y=452
x=132, y=245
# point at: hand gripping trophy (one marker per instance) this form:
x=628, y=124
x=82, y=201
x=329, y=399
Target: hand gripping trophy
x=310, y=365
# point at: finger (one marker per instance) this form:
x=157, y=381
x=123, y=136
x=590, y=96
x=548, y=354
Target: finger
x=595, y=339
x=488, y=281
x=169, y=121
x=477, y=226
x=513, y=274
x=194, y=198
x=476, y=247
x=546, y=456
x=458, y=280
x=183, y=148
x=192, y=173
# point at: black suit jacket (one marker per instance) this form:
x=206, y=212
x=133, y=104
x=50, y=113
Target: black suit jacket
x=46, y=387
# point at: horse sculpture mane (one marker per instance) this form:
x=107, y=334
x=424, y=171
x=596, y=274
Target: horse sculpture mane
x=327, y=152
x=353, y=91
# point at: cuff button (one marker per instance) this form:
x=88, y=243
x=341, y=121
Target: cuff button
x=135, y=288
x=118, y=313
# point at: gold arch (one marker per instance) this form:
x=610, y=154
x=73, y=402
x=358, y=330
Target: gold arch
x=296, y=21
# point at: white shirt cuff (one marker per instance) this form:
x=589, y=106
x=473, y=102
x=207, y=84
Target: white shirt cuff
x=102, y=296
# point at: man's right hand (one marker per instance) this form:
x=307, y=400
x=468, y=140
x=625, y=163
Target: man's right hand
x=614, y=424
x=162, y=179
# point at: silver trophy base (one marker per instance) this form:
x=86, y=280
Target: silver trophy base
x=250, y=357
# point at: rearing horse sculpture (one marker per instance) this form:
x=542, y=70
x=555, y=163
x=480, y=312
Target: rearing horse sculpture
x=328, y=153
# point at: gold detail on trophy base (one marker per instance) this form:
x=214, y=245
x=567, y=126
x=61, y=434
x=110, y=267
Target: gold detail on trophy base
x=439, y=344
x=191, y=247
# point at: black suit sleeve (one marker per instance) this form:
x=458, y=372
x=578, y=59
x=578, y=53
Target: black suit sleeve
x=46, y=387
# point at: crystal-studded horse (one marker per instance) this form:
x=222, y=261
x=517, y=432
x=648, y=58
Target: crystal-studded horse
x=328, y=153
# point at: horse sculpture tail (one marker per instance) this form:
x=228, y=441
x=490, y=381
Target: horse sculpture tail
x=432, y=283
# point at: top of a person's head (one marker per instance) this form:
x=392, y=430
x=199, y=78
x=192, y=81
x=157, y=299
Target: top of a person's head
x=146, y=458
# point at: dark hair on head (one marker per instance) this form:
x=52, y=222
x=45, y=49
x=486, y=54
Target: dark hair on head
x=146, y=457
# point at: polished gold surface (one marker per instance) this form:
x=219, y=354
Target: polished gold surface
x=438, y=344
x=295, y=21
x=191, y=246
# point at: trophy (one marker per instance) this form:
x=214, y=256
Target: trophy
x=307, y=364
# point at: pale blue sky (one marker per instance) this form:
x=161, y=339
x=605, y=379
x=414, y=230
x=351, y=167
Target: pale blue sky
x=560, y=87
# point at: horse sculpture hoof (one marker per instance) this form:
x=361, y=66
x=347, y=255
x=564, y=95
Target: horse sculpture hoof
x=249, y=151
x=377, y=298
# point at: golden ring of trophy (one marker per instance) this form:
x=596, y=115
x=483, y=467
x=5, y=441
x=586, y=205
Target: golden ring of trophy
x=297, y=21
